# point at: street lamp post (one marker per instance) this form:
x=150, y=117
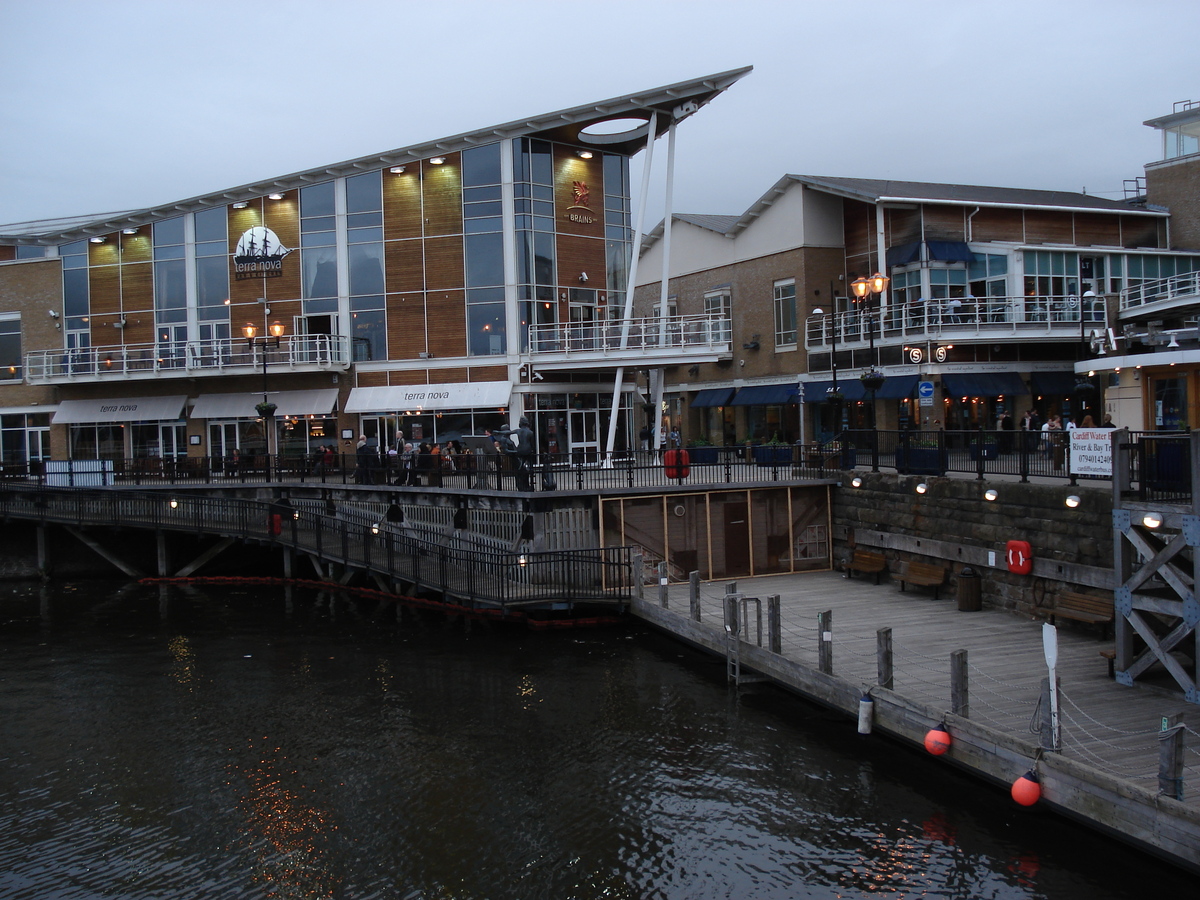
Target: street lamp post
x=835, y=396
x=266, y=408
x=872, y=378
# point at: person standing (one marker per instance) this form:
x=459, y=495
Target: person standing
x=364, y=458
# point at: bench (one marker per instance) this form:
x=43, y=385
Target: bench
x=1084, y=608
x=923, y=575
x=1111, y=655
x=866, y=562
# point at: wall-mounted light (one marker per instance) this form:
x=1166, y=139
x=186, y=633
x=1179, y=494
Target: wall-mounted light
x=990, y=495
x=922, y=488
x=1072, y=501
x=52, y=313
x=397, y=170
x=120, y=323
x=437, y=160
x=241, y=204
x=375, y=528
x=584, y=154
x=173, y=503
x=1173, y=344
x=856, y=481
x=1152, y=520
x=97, y=240
x=129, y=231
x=275, y=196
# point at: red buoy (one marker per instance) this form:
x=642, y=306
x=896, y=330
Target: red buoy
x=1026, y=790
x=937, y=740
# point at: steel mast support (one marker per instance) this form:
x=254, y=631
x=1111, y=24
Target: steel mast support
x=639, y=227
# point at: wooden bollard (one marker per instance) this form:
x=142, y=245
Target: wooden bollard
x=774, y=637
x=883, y=658
x=825, y=641
x=694, y=595
x=959, y=703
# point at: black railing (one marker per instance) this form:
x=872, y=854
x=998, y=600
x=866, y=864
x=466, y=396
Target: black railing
x=351, y=537
x=1159, y=463
x=476, y=471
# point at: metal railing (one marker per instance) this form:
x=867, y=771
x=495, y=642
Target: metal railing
x=637, y=335
x=1177, y=287
x=582, y=470
x=449, y=564
x=186, y=358
x=1159, y=462
x=933, y=319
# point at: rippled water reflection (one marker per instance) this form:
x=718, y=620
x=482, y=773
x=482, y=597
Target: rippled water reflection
x=236, y=743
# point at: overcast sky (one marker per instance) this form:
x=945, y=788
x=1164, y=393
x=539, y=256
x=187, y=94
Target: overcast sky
x=122, y=105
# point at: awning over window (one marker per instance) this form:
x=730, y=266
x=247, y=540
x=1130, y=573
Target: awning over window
x=897, y=387
x=119, y=409
x=903, y=254
x=986, y=384
x=712, y=397
x=949, y=251
x=946, y=251
x=818, y=391
x=766, y=395
x=287, y=403
x=425, y=397
x=1054, y=382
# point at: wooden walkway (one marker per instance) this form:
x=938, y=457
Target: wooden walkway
x=1111, y=731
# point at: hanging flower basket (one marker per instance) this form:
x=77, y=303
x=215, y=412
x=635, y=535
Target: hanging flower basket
x=265, y=410
x=872, y=379
x=835, y=397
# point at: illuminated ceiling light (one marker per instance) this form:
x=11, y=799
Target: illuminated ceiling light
x=922, y=488
x=1072, y=501
x=241, y=204
x=1092, y=373
x=856, y=481
x=990, y=494
x=97, y=240
x=396, y=170
x=437, y=160
x=1152, y=520
x=128, y=231
x=275, y=196
x=584, y=154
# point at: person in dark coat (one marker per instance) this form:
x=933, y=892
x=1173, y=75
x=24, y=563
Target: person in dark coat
x=365, y=459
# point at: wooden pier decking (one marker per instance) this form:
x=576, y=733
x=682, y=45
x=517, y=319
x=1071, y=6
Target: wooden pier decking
x=1107, y=771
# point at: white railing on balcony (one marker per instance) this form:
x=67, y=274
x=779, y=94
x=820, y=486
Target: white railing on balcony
x=1056, y=316
x=1182, y=288
x=188, y=358
x=637, y=336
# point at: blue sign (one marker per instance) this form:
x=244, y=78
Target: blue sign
x=925, y=393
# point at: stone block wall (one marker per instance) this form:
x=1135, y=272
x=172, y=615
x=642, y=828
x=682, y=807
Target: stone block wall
x=954, y=525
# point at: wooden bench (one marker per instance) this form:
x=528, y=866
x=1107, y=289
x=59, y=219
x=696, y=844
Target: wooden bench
x=923, y=575
x=866, y=562
x=1084, y=608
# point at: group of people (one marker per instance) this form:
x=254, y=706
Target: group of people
x=1048, y=435
x=402, y=463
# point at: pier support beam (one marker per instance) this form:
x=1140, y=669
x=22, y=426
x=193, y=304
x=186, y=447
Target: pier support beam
x=103, y=553
x=160, y=547
x=43, y=554
x=211, y=553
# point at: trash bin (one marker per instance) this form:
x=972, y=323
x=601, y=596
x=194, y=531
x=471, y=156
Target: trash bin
x=969, y=587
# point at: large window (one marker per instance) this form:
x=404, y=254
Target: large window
x=719, y=309
x=785, y=314
x=318, y=253
x=170, y=276
x=364, y=235
x=75, y=285
x=10, y=348
x=988, y=275
x=533, y=189
x=212, y=266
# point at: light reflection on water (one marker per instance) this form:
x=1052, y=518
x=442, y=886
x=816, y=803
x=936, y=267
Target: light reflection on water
x=207, y=743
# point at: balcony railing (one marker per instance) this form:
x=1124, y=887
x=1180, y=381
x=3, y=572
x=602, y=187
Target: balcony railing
x=187, y=358
x=673, y=336
x=1056, y=316
x=1164, y=292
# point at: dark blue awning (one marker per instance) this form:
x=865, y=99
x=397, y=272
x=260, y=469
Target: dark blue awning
x=1054, y=382
x=949, y=251
x=897, y=387
x=766, y=395
x=818, y=391
x=903, y=254
x=712, y=397
x=986, y=384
